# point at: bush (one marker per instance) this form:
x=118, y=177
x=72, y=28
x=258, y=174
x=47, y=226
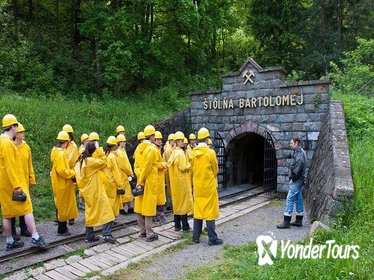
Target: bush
x=356, y=75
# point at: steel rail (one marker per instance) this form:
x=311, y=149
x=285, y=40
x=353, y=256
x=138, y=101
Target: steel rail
x=230, y=199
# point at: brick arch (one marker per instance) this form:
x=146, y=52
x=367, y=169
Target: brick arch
x=254, y=127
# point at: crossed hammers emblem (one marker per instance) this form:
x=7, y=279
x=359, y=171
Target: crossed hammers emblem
x=248, y=75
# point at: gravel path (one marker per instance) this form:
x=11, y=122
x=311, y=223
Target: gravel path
x=238, y=231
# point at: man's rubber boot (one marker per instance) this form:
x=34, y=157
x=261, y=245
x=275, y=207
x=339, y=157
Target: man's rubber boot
x=286, y=223
x=298, y=222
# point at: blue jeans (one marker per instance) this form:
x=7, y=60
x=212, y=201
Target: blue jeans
x=295, y=195
x=107, y=230
x=198, y=226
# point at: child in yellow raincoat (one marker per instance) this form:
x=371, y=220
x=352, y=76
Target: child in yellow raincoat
x=161, y=195
x=98, y=210
x=62, y=177
x=127, y=174
x=145, y=205
x=179, y=168
x=28, y=170
x=115, y=182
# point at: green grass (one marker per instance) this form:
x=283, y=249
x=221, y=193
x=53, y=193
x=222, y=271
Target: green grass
x=355, y=225
x=43, y=118
x=79, y=252
x=89, y=275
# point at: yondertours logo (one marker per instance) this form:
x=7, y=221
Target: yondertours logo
x=268, y=250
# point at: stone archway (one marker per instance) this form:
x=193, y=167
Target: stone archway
x=251, y=154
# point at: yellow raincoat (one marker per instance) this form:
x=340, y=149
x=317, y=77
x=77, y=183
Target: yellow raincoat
x=81, y=149
x=126, y=171
x=99, y=153
x=27, y=166
x=189, y=158
x=181, y=195
x=72, y=154
x=168, y=149
x=98, y=210
x=136, y=162
x=148, y=174
x=161, y=166
x=11, y=177
x=205, y=193
x=115, y=181
x=62, y=186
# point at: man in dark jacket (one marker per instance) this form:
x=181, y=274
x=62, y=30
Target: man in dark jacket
x=296, y=176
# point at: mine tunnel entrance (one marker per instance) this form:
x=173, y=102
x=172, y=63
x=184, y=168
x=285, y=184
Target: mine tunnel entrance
x=249, y=161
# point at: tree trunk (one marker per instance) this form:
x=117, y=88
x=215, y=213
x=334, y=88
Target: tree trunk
x=77, y=13
x=339, y=23
x=30, y=11
x=57, y=22
x=99, y=66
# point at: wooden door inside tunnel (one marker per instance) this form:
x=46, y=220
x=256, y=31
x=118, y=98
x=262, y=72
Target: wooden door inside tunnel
x=251, y=160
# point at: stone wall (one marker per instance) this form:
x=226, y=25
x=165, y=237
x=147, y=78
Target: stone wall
x=303, y=118
x=330, y=180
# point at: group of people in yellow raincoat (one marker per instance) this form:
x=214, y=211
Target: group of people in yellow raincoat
x=102, y=177
x=190, y=175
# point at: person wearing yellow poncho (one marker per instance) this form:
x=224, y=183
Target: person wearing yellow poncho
x=13, y=182
x=113, y=173
x=147, y=172
x=140, y=138
x=72, y=153
x=98, y=210
x=127, y=174
x=62, y=177
x=179, y=168
x=82, y=147
x=28, y=170
x=161, y=166
x=168, y=149
x=205, y=194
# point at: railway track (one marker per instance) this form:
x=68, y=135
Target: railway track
x=12, y=257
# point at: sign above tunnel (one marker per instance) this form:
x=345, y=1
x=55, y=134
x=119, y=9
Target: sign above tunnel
x=258, y=100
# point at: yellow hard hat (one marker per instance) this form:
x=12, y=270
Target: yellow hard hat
x=141, y=135
x=171, y=137
x=120, y=128
x=9, y=120
x=121, y=138
x=68, y=128
x=149, y=130
x=185, y=140
x=203, y=133
x=93, y=137
x=158, y=135
x=20, y=128
x=178, y=136
x=192, y=136
x=84, y=137
x=209, y=142
x=111, y=140
x=63, y=136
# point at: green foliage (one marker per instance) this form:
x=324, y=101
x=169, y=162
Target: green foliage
x=356, y=73
x=359, y=115
x=89, y=275
x=93, y=48
x=79, y=252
